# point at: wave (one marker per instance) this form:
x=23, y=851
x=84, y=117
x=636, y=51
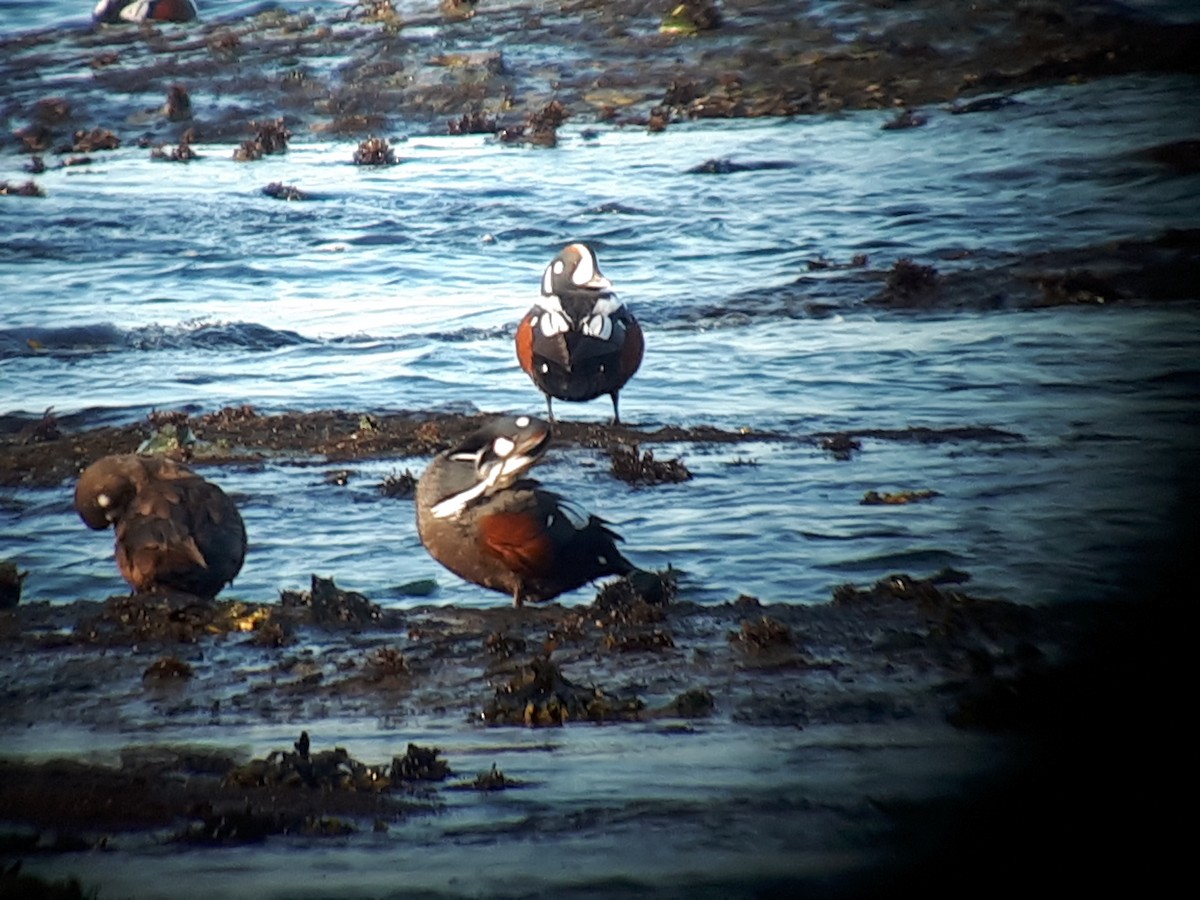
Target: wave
x=103, y=337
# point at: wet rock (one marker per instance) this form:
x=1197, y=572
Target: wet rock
x=14, y=883
x=841, y=445
x=982, y=104
x=896, y=498
x=908, y=279
x=472, y=123
x=504, y=645
x=96, y=139
x=232, y=828
x=382, y=12
x=541, y=695
x=691, y=17
x=270, y=138
x=28, y=189
x=399, y=485
x=922, y=435
x=167, y=617
x=183, y=152
x=179, y=104
x=420, y=764
x=42, y=431
x=104, y=59
x=51, y=111
x=10, y=584
x=457, y=10
x=900, y=588
x=375, y=152
x=692, y=704
x=724, y=166
x=821, y=264
x=1183, y=157
x=277, y=190
x=230, y=416
x=493, y=780
x=645, y=469
x=763, y=634
x=36, y=138
x=540, y=128
x=168, y=668
x=328, y=605
x=651, y=640
x=1077, y=287
x=386, y=664
x=904, y=120
x=327, y=770
x=639, y=596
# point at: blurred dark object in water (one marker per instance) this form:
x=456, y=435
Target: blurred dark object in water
x=982, y=104
x=10, y=584
x=905, y=119
x=645, y=469
x=278, y=191
x=1181, y=156
x=11, y=189
x=722, y=166
x=330, y=605
x=271, y=138
x=96, y=139
x=179, y=103
x=374, y=151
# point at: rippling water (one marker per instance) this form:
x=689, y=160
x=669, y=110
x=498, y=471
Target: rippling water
x=135, y=285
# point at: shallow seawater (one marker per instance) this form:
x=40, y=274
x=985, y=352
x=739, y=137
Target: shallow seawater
x=134, y=286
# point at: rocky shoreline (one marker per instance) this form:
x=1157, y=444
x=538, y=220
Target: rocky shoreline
x=517, y=71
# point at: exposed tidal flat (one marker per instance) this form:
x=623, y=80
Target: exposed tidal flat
x=985, y=306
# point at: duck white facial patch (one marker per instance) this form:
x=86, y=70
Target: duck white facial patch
x=585, y=271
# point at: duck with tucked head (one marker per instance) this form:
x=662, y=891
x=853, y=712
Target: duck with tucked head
x=481, y=518
x=174, y=530
x=113, y=11
x=579, y=340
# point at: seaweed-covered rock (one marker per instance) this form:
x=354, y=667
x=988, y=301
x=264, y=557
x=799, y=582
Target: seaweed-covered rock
x=329, y=605
x=541, y=695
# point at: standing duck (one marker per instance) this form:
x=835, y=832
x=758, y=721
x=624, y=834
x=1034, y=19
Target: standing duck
x=174, y=530
x=579, y=341
x=481, y=519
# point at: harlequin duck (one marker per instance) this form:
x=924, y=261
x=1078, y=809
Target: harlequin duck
x=174, y=529
x=112, y=11
x=483, y=521
x=579, y=341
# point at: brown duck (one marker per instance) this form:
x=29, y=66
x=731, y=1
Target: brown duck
x=174, y=530
x=481, y=519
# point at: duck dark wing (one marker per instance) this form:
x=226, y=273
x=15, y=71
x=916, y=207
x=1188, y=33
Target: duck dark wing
x=548, y=545
x=184, y=534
